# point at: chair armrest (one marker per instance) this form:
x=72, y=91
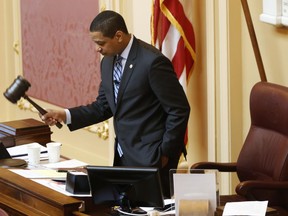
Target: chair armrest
x=246, y=188
x=221, y=167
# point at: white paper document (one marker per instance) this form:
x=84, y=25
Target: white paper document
x=251, y=208
x=21, y=150
x=39, y=174
x=65, y=164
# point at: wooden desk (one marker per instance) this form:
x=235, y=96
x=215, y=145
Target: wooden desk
x=21, y=196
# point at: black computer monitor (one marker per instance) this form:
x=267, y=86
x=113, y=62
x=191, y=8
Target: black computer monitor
x=127, y=187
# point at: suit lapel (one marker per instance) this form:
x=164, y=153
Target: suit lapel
x=128, y=70
x=107, y=74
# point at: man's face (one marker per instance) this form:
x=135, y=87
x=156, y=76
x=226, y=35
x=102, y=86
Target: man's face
x=105, y=45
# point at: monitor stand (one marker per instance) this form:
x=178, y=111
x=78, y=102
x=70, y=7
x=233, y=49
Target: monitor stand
x=127, y=208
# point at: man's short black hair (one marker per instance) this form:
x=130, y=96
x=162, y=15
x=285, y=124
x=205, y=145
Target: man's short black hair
x=108, y=23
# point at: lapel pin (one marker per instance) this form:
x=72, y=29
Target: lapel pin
x=130, y=66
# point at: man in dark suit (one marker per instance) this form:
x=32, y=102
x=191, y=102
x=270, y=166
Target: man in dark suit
x=151, y=110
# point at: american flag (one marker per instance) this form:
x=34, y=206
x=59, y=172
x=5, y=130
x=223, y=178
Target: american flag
x=173, y=34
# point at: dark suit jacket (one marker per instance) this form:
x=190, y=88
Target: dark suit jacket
x=152, y=111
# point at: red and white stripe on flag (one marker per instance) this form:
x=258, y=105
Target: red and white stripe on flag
x=173, y=34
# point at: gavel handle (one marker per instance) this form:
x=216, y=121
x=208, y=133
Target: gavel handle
x=40, y=109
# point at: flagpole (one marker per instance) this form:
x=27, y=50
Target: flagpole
x=254, y=40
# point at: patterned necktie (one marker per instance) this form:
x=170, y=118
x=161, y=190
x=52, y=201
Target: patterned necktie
x=117, y=74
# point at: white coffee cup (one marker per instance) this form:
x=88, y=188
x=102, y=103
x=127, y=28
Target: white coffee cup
x=54, y=149
x=33, y=151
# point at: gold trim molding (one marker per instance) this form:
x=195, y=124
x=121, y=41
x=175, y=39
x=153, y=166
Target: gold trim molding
x=101, y=129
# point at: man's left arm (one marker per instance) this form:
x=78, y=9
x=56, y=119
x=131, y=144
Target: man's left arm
x=171, y=95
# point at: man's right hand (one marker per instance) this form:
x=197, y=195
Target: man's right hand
x=53, y=116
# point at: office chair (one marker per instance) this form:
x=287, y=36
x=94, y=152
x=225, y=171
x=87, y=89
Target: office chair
x=262, y=165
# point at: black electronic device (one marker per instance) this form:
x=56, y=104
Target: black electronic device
x=127, y=187
x=6, y=161
x=4, y=154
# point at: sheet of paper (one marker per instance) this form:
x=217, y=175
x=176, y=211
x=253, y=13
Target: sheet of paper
x=43, y=157
x=35, y=173
x=21, y=150
x=252, y=208
x=65, y=164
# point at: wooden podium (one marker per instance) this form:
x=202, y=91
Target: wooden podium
x=21, y=196
x=24, y=131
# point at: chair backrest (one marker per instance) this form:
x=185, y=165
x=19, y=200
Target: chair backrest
x=3, y=213
x=264, y=155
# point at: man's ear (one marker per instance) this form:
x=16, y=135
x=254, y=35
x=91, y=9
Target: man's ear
x=119, y=35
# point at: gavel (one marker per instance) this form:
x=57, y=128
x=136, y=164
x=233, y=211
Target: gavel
x=18, y=89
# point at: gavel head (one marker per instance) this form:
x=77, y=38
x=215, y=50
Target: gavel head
x=17, y=89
